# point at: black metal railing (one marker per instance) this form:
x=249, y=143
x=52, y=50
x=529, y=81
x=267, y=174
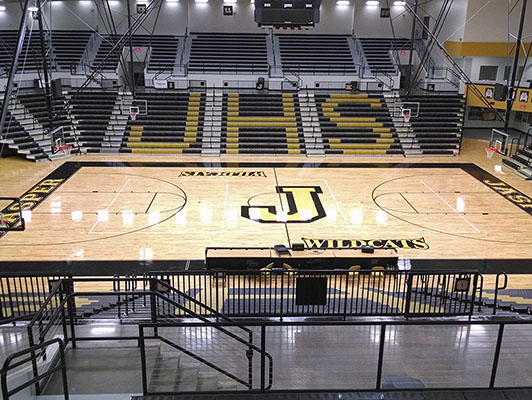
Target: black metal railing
x=382, y=360
x=338, y=293
x=34, y=352
x=166, y=303
x=193, y=302
x=22, y=295
x=250, y=294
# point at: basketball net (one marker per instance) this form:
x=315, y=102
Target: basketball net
x=490, y=151
x=133, y=116
x=3, y=221
x=406, y=117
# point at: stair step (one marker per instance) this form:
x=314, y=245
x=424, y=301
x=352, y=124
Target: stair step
x=207, y=382
x=188, y=377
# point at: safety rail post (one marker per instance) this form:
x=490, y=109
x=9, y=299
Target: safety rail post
x=153, y=305
x=282, y=297
x=263, y=358
x=63, y=318
x=481, y=289
x=35, y=371
x=71, y=306
x=143, y=361
x=497, y=288
x=496, y=357
x=472, y=308
x=381, y=357
x=409, y=279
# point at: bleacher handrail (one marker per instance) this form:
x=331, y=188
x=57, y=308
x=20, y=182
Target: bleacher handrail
x=38, y=377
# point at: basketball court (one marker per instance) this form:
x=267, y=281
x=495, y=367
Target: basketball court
x=162, y=211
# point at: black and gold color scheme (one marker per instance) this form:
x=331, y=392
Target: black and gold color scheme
x=261, y=124
x=92, y=113
x=172, y=125
x=438, y=127
x=304, y=206
x=356, y=124
x=414, y=244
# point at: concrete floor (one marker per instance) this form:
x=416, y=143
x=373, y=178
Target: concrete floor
x=316, y=357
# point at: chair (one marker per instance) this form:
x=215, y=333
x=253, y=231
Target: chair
x=378, y=274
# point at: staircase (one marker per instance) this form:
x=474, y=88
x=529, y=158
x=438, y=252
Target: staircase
x=175, y=372
x=212, y=128
x=520, y=163
x=310, y=123
x=23, y=133
x=116, y=128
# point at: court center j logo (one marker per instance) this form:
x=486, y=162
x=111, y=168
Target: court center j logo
x=304, y=206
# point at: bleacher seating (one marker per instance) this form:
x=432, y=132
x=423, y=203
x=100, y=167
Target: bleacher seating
x=91, y=112
x=356, y=124
x=30, y=58
x=163, y=51
x=69, y=46
x=173, y=124
x=228, y=53
x=35, y=103
x=16, y=137
x=261, y=124
x=316, y=54
x=377, y=53
x=438, y=128
x=521, y=163
x=106, y=45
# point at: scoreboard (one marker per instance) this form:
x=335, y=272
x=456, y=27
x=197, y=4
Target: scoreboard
x=286, y=13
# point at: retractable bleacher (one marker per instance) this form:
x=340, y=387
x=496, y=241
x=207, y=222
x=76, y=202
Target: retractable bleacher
x=438, y=128
x=261, y=124
x=377, y=53
x=91, y=113
x=316, y=54
x=228, y=53
x=356, y=124
x=173, y=124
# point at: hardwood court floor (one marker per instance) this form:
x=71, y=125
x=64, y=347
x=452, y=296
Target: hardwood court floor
x=142, y=212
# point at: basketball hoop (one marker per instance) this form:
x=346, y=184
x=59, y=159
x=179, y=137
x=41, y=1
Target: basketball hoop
x=490, y=151
x=407, y=114
x=133, y=112
x=66, y=149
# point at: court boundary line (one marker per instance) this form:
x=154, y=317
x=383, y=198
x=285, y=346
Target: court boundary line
x=110, y=204
x=451, y=207
x=338, y=206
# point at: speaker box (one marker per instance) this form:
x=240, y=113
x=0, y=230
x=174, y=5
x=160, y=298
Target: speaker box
x=298, y=246
x=311, y=291
x=500, y=93
x=260, y=83
x=368, y=249
x=57, y=88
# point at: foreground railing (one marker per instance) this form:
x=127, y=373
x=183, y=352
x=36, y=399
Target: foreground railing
x=337, y=293
x=385, y=355
x=13, y=362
